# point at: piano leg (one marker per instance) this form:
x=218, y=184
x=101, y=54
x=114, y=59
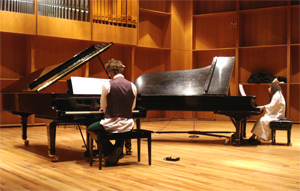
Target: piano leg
x=240, y=126
x=51, y=133
x=24, y=117
x=87, y=151
x=244, y=127
x=24, y=129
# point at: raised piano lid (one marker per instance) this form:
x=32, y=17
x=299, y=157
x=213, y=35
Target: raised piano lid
x=209, y=80
x=45, y=77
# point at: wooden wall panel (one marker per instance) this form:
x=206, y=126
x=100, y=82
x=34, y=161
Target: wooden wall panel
x=178, y=37
x=151, y=60
x=213, y=6
x=154, y=31
x=180, y=115
x=54, y=51
x=295, y=64
x=156, y=114
x=215, y=31
x=109, y=33
x=295, y=103
x=178, y=8
x=295, y=26
x=156, y=5
x=180, y=60
x=63, y=28
x=188, y=36
x=15, y=55
x=17, y=23
x=246, y=4
x=264, y=32
x=262, y=59
x=204, y=58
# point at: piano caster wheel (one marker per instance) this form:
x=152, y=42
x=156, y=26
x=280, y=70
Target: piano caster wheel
x=227, y=141
x=54, y=158
x=26, y=142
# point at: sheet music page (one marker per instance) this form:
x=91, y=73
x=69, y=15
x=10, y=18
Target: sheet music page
x=84, y=85
x=242, y=91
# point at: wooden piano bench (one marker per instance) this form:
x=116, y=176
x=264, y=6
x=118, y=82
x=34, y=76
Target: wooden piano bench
x=134, y=134
x=282, y=124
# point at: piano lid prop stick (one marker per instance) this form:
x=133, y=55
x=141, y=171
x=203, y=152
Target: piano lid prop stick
x=104, y=67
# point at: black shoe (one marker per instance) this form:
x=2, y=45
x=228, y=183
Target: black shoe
x=114, y=157
x=254, y=141
x=257, y=142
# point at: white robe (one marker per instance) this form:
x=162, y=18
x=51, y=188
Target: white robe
x=274, y=110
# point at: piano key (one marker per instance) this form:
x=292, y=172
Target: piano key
x=89, y=112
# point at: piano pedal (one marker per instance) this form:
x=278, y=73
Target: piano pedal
x=193, y=136
x=128, y=151
x=128, y=147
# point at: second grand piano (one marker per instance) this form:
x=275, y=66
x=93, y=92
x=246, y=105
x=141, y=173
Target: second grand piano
x=202, y=89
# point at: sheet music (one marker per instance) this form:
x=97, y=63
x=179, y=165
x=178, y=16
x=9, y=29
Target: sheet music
x=83, y=85
x=242, y=91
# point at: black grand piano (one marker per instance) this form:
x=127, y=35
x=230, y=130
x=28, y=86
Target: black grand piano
x=25, y=97
x=202, y=89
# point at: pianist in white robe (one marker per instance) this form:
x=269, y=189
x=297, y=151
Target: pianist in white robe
x=274, y=110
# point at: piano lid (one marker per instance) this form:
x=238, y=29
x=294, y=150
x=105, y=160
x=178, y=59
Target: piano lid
x=45, y=77
x=209, y=80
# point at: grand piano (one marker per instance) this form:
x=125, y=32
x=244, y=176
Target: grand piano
x=202, y=89
x=25, y=97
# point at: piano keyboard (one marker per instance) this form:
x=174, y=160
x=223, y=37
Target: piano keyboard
x=89, y=112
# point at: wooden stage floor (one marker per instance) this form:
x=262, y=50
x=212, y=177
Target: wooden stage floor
x=205, y=162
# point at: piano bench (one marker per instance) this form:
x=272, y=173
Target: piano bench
x=134, y=134
x=282, y=124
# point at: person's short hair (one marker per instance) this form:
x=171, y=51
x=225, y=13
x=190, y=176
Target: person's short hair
x=115, y=66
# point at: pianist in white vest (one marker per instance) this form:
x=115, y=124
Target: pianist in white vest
x=117, y=101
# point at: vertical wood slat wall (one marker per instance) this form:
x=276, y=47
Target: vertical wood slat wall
x=169, y=35
x=267, y=39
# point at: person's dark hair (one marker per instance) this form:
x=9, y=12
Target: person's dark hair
x=274, y=88
x=115, y=66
